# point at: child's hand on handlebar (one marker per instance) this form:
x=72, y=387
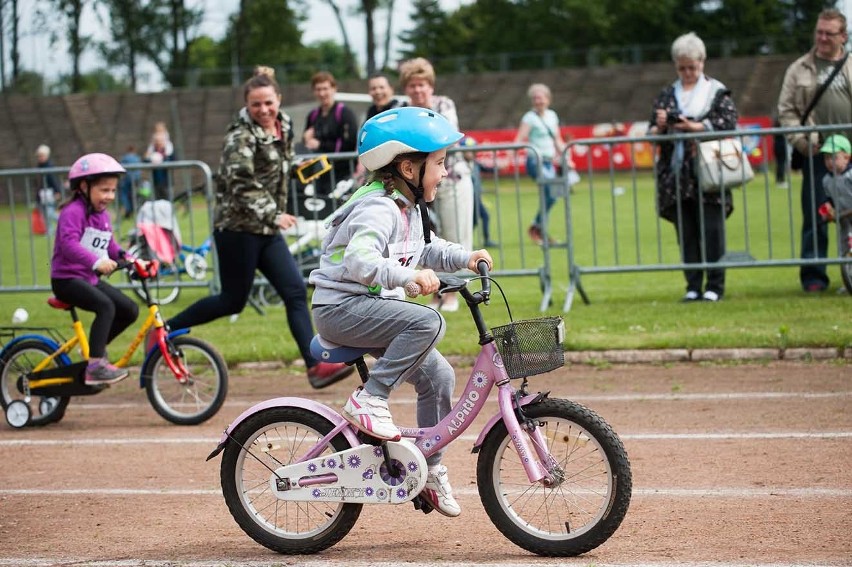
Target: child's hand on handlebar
x=478, y=255
x=105, y=266
x=427, y=280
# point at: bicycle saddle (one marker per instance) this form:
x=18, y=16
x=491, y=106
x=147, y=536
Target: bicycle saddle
x=326, y=351
x=58, y=304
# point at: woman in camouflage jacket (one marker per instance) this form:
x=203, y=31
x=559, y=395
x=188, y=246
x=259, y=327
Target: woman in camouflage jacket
x=251, y=199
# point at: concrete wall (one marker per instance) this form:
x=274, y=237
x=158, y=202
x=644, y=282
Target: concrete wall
x=109, y=122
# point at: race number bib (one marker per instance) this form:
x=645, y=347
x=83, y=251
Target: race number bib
x=406, y=253
x=96, y=241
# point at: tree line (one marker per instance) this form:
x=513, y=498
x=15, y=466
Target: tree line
x=478, y=36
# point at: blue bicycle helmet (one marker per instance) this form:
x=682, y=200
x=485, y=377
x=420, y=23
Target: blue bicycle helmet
x=400, y=131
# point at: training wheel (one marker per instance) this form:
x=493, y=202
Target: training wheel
x=18, y=414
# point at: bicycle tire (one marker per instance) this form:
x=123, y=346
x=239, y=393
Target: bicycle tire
x=268, y=296
x=846, y=269
x=18, y=360
x=285, y=433
x=164, y=289
x=586, y=505
x=194, y=402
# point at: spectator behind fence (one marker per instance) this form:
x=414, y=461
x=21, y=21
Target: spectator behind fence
x=49, y=190
x=132, y=179
x=780, y=149
x=481, y=216
x=381, y=91
x=251, y=200
x=838, y=185
x=330, y=128
x=693, y=103
x=540, y=126
x=454, y=203
x=160, y=149
x=803, y=102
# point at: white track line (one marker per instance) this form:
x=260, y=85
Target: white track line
x=213, y=441
x=237, y=402
x=640, y=492
x=285, y=560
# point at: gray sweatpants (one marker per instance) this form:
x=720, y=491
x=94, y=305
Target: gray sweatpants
x=404, y=335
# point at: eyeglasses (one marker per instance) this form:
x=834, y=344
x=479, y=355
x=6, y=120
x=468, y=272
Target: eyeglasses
x=683, y=68
x=823, y=33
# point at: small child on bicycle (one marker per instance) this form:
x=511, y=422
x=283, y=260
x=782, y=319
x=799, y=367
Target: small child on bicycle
x=85, y=249
x=838, y=181
x=378, y=241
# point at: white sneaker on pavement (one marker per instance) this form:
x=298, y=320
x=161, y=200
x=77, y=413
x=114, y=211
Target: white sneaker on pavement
x=438, y=492
x=371, y=415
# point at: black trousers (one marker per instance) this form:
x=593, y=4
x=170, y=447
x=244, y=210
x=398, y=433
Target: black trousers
x=239, y=255
x=691, y=239
x=113, y=310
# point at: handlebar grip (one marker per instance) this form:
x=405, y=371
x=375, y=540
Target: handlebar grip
x=412, y=289
x=482, y=267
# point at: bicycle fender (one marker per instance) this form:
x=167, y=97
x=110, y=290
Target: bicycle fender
x=62, y=358
x=288, y=401
x=148, y=354
x=525, y=401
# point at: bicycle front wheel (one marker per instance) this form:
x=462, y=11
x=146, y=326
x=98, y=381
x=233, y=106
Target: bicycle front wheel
x=592, y=487
x=262, y=443
x=164, y=288
x=197, y=399
x=18, y=361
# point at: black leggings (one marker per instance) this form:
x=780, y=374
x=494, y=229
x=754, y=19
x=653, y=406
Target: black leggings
x=113, y=310
x=239, y=255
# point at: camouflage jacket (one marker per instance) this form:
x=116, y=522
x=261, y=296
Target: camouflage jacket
x=251, y=185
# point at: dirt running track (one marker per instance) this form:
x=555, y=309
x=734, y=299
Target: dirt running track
x=732, y=464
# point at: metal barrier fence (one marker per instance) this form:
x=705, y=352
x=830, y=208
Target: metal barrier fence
x=509, y=200
x=510, y=208
x=25, y=257
x=613, y=226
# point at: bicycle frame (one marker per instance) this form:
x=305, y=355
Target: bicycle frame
x=487, y=372
x=154, y=320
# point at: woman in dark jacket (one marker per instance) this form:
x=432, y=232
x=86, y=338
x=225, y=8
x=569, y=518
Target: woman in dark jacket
x=693, y=103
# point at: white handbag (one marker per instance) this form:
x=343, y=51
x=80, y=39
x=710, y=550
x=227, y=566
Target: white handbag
x=722, y=164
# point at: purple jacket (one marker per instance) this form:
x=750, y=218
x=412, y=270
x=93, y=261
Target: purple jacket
x=82, y=238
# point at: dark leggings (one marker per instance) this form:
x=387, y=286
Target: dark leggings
x=239, y=255
x=713, y=241
x=113, y=310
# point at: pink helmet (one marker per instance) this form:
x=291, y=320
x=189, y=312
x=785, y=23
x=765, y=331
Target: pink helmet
x=95, y=164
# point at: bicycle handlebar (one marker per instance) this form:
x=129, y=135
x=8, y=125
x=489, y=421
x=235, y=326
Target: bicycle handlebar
x=452, y=283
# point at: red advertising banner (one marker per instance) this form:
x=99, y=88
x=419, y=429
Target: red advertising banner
x=622, y=157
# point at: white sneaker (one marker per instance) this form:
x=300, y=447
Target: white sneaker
x=371, y=415
x=438, y=492
x=710, y=296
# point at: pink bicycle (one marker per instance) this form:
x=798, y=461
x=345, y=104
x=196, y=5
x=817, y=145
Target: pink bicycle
x=552, y=475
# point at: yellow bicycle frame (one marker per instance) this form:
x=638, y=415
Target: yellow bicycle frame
x=154, y=319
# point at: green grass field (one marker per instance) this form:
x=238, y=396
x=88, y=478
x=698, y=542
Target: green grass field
x=763, y=307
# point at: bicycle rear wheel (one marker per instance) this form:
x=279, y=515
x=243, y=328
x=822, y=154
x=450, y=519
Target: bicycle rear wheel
x=199, y=398
x=592, y=486
x=846, y=269
x=18, y=361
x=164, y=288
x=262, y=443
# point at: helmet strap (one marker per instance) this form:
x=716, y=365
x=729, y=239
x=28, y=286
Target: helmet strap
x=420, y=202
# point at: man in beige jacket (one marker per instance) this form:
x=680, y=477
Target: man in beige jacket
x=801, y=82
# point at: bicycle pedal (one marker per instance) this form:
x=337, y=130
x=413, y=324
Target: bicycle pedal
x=422, y=505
